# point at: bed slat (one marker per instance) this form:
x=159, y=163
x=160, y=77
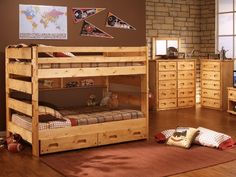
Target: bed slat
x=91, y=59
x=20, y=106
x=20, y=69
x=92, y=49
x=21, y=86
x=19, y=53
x=88, y=72
x=25, y=134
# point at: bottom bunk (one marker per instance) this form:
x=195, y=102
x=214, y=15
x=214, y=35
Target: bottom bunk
x=75, y=129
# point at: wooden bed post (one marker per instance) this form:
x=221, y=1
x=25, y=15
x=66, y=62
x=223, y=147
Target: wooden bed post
x=7, y=93
x=35, y=100
x=144, y=94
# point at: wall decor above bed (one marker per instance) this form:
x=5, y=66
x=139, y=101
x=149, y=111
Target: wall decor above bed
x=80, y=14
x=115, y=22
x=42, y=22
x=89, y=29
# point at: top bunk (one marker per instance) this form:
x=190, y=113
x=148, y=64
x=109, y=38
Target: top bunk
x=42, y=62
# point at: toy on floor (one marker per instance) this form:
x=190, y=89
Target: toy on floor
x=14, y=143
x=113, y=101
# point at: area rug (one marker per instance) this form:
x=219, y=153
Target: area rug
x=135, y=159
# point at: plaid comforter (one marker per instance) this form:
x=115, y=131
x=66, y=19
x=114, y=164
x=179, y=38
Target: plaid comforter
x=79, y=119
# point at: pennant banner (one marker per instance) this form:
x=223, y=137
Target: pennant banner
x=80, y=14
x=115, y=22
x=89, y=29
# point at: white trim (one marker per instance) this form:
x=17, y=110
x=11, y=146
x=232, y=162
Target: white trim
x=2, y=133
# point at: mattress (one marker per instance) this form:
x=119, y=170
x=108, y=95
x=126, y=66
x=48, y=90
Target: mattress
x=79, y=119
x=26, y=123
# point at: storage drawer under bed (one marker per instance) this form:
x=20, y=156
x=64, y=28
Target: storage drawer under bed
x=118, y=136
x=68, y=143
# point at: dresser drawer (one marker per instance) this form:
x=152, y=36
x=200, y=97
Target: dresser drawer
x=211, y=75
x=213, y=103
x=186, y=93
x=211, y=93
x=190, y=65
x=232, y=94
x=211, y=84
x=210, y=66
x=186, y=84
x=168, y=103
x=186, y=75
x=167, y=66
x=164, y=94
x=167, y=84
x=182, y=102
x=167, y=75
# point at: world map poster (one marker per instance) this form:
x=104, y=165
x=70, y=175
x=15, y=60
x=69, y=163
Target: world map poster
x=42, y=22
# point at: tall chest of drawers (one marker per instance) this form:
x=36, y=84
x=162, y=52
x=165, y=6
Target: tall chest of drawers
x=216, y=76
x=172, y=83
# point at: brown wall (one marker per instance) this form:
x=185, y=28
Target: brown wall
x=132, y=11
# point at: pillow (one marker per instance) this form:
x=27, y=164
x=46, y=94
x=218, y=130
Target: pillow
x=214, y=139
x=163, y=136
x=182, y=137
x=44, y=118
x=63, y=54
x=44, y=110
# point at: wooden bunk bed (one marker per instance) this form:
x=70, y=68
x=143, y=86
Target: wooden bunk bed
x=27, y=66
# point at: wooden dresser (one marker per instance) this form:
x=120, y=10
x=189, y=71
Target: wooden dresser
x=216, y=76
x=231, y=100
x=173, y=83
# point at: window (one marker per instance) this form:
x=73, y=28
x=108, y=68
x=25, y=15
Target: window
x=226, y=27
x=161, y=46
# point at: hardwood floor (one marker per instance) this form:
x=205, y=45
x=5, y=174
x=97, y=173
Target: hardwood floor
x=24, y=165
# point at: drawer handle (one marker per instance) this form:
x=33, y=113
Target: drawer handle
x=82, y=141
x=172, y=93
x=183, y=66
x=137, y=133
x=216, y=94
x=204, y=92
x=231, y=94
x=215, y=66
x=164, y=75
x=215, y=75
x=164, y=94
x=172, y=75
x=182, y=102
x=190, y=92
x=172, y=102
x=113, y=136
x=53, y=145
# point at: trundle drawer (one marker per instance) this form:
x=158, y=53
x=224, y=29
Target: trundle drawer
x=232, y=94
x=167, y=84
x=211, y=103
x=121, y=136
x=211, y=93
x=68, y=143
x=186, y=84
x=184, y=102
x=211, y=84
x=167, y=75
x=186, y=75
x=167, y=66
x=164, y=94
x=168, y=103
x=186, y=93
x=210, y=66
x=186, y=65
x=210, y=75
